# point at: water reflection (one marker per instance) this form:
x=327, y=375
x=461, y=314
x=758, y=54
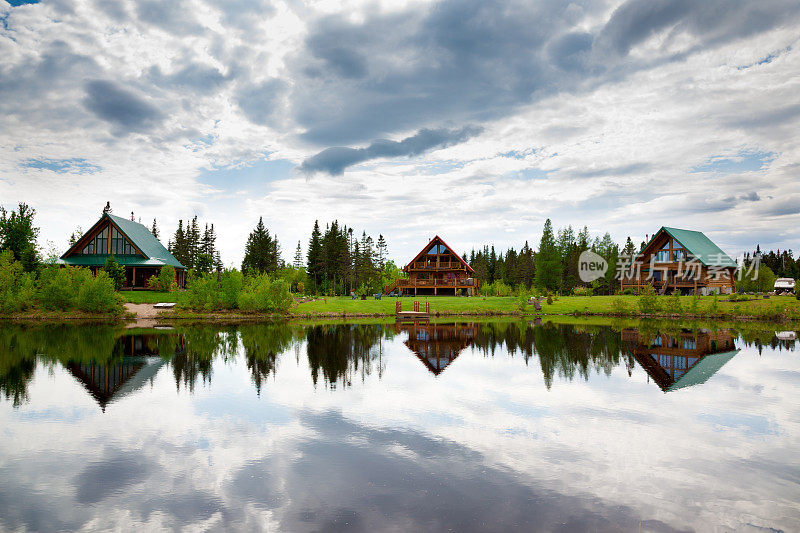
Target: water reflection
x=359, y=427
x=437, y=345
x=683, y=358
x=111, y=363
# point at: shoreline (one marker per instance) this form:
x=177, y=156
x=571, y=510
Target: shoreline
x=237, y=316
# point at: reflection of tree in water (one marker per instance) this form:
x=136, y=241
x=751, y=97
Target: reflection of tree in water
x=203, y=345
x=341, y=351
x=564, y=350
x=22, y=346
x=262, y=343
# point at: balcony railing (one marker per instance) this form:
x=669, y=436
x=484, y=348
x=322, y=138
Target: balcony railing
x=463, y=282
x=443, y=265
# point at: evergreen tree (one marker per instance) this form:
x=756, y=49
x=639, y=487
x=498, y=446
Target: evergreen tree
x=154, y=229
x=298, y=257
x=261, y=252
x=115, y=271
x=314, y=258
x=76, y=236
x=547, y=260
x=382, y=251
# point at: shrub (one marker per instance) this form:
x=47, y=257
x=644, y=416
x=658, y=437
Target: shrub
x=262, y=293
x=693, y=305
x=115, y=271
x=17, y=289
x=153, y=283
x=206, y=293
x=675, y=303
x=582, y=291
x=96, y=294
x=620, y=307
x=56, y=288
x=522, y=302
x=498, y=288
x=166, y=277
x=628, y=292
x=648, y=301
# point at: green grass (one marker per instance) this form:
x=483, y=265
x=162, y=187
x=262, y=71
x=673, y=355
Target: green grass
x=781, y=306
x=150, y=297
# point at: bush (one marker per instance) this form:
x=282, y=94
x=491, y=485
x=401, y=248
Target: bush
x=96, y=294
x=620, y=307
x=675, y=303
x=628, y=292
x=206, y=293
x=17, y=289
x=648, y=301
x=582, y=291
x=56, y=288
x=166, y=277
x=498, y=288
x=262, y=293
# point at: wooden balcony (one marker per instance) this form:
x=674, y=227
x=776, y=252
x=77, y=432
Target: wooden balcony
x=433, y=266
x=431, y=283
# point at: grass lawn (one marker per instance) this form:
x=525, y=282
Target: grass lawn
x=150, y=297
x=787, y=306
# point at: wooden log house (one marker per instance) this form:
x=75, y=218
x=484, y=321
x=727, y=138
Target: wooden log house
x=681, y=359
x=133, y=246
x=437, y=270
x=681, y=260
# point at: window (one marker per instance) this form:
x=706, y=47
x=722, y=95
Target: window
x=117, y=242
x=663, y=256
x=680, y=362
x=689, y=344
x=88, y=249
x=679, y=255
x=102, y=241
x=666, y=245
x=128, y=248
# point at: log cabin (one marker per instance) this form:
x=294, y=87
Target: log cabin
x=681, y=359
x=437, y=270
x=680, y=260
x=133, y=246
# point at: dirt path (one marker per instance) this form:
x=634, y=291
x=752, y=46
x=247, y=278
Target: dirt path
x=142, y=311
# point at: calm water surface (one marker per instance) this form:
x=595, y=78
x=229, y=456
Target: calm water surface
x=488, y=426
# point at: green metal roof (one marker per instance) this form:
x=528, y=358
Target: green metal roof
x=699, y=246
x=140, y=236
x=100, y=260
x=702, y=370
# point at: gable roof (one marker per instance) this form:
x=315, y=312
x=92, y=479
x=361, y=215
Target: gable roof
x=139, y=236
x=428, y=247
x=699, y=373
x=698, y=245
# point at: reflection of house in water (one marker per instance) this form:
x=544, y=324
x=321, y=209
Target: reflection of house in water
x=140, y=362
x=676, y=362
x=437, y=345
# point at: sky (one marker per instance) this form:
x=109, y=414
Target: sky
x=474, y=120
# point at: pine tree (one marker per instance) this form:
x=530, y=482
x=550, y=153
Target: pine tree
x=261, y=252
x=132, y=217
x=314, y=257
x=76, y=236
x=298, y=257
x=154, y=229
x=382, y=251
x=547, y=260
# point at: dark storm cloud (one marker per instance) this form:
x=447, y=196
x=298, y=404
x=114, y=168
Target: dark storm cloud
x=466, y=61
x=335, y=160
x=121, y=107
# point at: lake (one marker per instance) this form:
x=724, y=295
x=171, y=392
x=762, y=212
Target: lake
x=495, y=426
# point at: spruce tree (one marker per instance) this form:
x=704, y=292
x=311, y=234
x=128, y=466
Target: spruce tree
x=298, y=256
x=314, y=257
x=547, y=260
x=154, y=229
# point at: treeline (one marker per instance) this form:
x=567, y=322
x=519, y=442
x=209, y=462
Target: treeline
x=339, y=262
x=553, y=267
x=195, y=249
x=781, y=263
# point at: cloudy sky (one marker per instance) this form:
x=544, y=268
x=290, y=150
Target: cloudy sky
x=475, y=120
